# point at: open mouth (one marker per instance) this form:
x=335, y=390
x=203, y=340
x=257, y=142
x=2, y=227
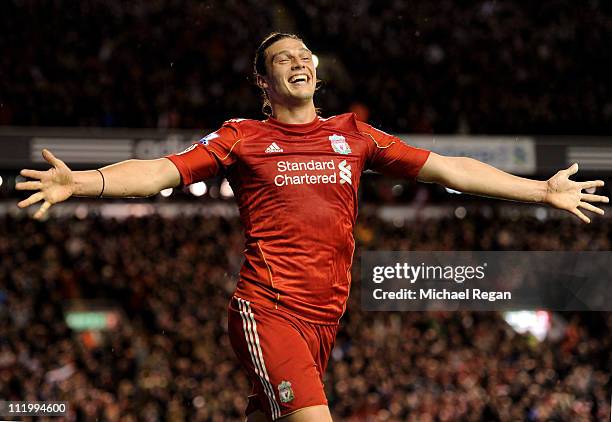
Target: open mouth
x=298, y=79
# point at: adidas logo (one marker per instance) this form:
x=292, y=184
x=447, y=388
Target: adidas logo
x=273, y=148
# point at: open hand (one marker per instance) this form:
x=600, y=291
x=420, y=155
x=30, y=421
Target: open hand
x=53, y=186
x=566, y=194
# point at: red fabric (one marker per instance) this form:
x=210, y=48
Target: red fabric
x=279, y=350
x=298, y=202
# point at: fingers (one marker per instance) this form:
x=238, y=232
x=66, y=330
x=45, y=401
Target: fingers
x=32, y=174
x=591, y=208
x=31, y=200
x=580, y=215
x=594, y=198
x=28, y=185
x=52, y=159
x=591, y=184
x=42, y=210
x=573, y=169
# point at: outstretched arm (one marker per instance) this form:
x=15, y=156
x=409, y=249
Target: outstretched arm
x=472, y=176
x=131, y=178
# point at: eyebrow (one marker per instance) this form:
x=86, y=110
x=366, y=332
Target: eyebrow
x=288, y=51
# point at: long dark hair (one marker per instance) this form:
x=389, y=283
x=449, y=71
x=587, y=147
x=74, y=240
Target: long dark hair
x=259, y=64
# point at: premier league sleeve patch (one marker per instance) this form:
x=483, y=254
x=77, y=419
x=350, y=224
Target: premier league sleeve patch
x=205, y=140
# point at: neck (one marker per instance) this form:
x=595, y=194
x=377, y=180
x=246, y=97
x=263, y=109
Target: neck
x=294, y=115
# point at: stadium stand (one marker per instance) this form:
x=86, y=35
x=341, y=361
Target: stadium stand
x=187, y=63
x=170, y=359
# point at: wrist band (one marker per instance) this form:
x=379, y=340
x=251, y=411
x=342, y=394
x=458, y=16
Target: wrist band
x=103, y=184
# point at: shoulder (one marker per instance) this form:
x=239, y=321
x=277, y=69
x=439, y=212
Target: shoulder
x=365, y=132
x=244, y=127
x=230, y=133
x=376, y=136
x=347, y=121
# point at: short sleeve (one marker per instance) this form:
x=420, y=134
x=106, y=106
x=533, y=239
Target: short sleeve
x=389, y=155
x=207, y=157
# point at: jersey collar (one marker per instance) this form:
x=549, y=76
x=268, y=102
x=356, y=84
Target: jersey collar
x=300, y=127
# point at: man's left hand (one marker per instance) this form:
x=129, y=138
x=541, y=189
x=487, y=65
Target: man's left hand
x=567, y=194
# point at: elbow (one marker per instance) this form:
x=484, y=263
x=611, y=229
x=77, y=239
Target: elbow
x=444, y=170
x=454, y=176
x=162, y=175
x=152, y=190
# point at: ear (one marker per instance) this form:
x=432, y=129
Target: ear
x=261, y=82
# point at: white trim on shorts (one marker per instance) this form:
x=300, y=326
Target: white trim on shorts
x=252, y=339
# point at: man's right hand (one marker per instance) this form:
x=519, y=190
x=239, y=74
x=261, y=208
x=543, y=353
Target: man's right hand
x=53, y=186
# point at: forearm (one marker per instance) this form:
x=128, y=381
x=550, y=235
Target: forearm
x=131, y=178
x=471, y=176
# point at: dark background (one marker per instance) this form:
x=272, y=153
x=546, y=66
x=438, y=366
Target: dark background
x=512, y=67
x=457, y=67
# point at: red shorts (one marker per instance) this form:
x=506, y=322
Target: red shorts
x=284, y=357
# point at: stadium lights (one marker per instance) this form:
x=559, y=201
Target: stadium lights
x=460, y=212
x=198, y=189
x=541, y=214
x=536, y=323
x=166, y=192
x=226, y=190
x=315, y=60
x=81, y=212
x=397, y=190
x=198, y=402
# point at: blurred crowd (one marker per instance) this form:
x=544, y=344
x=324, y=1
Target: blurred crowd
x=483, y=66
x=169, y=357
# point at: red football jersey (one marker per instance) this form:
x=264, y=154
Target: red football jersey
x=296, y=188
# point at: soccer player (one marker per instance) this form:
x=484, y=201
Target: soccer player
x=295, y=177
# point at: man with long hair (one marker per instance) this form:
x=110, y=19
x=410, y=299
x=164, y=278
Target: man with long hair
x=295, y=177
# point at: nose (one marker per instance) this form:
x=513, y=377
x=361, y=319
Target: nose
x=296, y=64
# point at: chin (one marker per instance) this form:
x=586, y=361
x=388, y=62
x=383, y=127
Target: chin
x=303, y=95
